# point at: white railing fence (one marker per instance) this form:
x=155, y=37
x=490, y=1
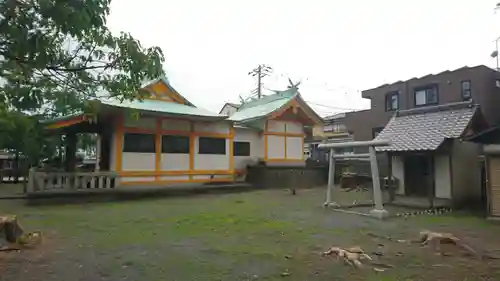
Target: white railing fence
x=48, y=181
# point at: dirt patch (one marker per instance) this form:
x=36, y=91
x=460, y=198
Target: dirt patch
x=262, y=235
x=29, y=264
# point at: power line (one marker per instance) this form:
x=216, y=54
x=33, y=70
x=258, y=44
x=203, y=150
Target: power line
x=260, y=71
x=332, y=107
x=326, y=106
x=326, y=86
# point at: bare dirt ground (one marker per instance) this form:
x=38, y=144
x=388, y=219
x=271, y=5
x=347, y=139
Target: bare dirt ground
x=261, y=235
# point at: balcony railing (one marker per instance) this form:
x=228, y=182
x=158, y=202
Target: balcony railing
x=335, y=128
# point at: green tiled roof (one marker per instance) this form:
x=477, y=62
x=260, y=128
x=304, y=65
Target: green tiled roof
x=260, y=108
x=152, y=106
x=163, y=107
x=158, y=106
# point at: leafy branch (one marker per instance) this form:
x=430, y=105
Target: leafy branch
x=56, y=55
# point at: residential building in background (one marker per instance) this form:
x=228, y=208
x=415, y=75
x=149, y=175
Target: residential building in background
x=229, y=109
x=334, y=130
x=479, y=84
x=428, y=96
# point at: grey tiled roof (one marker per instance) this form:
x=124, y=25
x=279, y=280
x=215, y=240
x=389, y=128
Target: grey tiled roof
x=425, y=129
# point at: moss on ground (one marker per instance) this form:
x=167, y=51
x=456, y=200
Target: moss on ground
x=246, y=236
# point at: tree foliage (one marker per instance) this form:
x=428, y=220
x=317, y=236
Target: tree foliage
x=55, y=56
x=21, y=134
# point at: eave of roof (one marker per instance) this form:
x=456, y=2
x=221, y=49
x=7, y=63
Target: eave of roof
x=149, y=105
x=489, y=136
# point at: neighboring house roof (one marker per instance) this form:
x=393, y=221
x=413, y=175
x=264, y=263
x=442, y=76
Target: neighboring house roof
x=63, y=118
x=334, y=116
x=234, y=105
x=425, y=129
x=257, y=109
x=6, y=155
x=9, y=155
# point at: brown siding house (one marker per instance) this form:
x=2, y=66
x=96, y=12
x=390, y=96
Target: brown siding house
x=480, y=84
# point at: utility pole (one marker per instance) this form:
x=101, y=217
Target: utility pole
x=495, y=53
x=260, y=71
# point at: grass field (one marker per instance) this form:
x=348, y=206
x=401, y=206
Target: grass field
x=11, y=189
x=260, y=235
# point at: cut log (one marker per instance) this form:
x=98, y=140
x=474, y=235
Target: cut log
x=10, y=228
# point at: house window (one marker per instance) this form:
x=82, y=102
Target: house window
x=139, y=143
x=335, y=127
x=339, y=127
x=466, y=90
x=208, y=145
x=376, y=131
x=328, y=128
x=241, y=148
x=426, y=96
x=175, y=144
x=392, y=101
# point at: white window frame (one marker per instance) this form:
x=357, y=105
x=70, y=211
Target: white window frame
x=466, y=91
x=390, y=96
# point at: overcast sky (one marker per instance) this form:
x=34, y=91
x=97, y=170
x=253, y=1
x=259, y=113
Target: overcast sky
x=336, y=48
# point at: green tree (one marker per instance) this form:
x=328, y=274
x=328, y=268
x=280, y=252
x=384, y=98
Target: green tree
x=57, y=54
x=20, y=136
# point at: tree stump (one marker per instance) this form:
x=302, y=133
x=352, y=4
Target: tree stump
x=10, y=228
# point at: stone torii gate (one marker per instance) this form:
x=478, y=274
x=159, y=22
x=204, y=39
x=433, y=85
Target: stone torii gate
x=378, y=211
